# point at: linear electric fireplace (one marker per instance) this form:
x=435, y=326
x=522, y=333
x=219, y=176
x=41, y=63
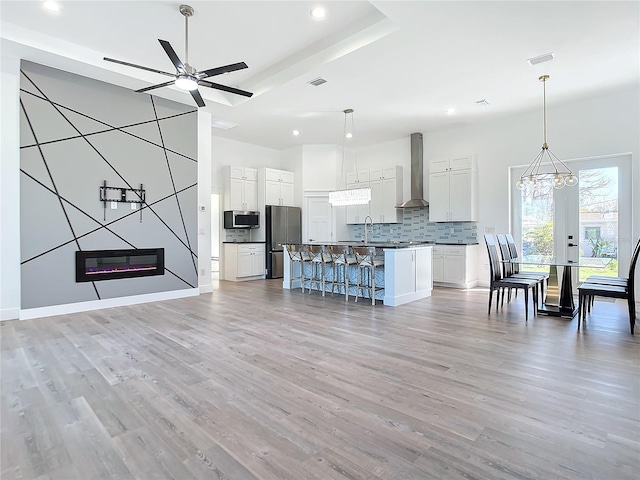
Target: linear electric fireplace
x=98, y=265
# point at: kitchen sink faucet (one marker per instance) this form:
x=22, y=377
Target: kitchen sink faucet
x=365, y=227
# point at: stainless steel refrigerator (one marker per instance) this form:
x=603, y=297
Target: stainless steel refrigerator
x=283, y=225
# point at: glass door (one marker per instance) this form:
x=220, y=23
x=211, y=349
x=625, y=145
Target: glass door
x=592, y=219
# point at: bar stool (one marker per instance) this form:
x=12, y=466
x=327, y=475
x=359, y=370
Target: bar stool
x=320, y=260
x=297, y=255
x=341, y=261
x=368, y=259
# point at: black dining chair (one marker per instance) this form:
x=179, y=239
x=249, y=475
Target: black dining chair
x=587, y=292
x=512, y=270
x=617, y=281
x=499, y=283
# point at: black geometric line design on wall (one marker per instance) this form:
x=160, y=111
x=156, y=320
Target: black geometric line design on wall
x=111, y=128
x=129, y=185
x=64, y=210
x=98, y=130
x=101, y=226
x=173, y=185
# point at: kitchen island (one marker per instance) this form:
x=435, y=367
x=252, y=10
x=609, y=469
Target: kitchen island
x=406, y=275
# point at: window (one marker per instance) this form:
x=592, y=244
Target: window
x=591, y=233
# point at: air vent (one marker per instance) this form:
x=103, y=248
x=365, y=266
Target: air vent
x=317, y=82
x=222, y=125
x=540, y=59
x=482, y=102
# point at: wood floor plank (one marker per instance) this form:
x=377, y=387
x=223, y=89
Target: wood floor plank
x=255, y=382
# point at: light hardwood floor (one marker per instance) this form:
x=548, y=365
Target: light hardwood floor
x=255, y=382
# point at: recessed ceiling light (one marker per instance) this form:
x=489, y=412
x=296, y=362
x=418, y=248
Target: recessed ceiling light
x=51, y=6
x=349, y=135
x=295, y=133
x=540, y=59
x=318, y=13
x=450, y=111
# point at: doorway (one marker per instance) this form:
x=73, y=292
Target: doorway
x=319, y=220
x=591, y=219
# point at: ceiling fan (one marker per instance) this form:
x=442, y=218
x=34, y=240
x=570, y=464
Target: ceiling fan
x=187, y=77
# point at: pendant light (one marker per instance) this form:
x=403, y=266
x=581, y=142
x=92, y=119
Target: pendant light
x=557, y=171
x=354, y=196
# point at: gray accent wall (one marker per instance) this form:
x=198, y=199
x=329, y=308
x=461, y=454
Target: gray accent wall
x=75, y=133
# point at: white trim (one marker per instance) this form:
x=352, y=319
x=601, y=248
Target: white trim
x=106, y=303
x=205, y=288
x=9, y=314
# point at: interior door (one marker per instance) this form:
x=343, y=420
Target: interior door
x=591, y=219
x=318, y=220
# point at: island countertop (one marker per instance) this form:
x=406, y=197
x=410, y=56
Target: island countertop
x=391, y=244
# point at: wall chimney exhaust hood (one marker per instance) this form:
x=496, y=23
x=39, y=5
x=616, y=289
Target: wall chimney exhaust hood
x=417, y=183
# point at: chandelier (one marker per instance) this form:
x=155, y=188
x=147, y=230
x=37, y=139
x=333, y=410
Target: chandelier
x=354, y=196
x=554, y=169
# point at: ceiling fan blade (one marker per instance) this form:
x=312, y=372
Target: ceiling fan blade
x=224, y=88
x=153, y=87
x=198, y=98
x=173, y=56
x=139, y=66
x=212, y=72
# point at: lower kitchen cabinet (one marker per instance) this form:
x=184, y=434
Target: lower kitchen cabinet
x=455, y=265
x=244, y=261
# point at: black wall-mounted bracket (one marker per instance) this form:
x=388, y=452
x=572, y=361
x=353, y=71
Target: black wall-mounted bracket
x=121, y=195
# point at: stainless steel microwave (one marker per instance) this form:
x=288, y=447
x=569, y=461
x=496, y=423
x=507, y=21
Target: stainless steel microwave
x=241, y=219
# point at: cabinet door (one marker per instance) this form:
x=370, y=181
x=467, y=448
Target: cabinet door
x=363, y=177
x=251, y=174
x=236, y=172
x=438, y=267
x=258, y=263
x=377, y=201
x=389, y=172
x=271, y=175
x=376, y=174
x=439, y=165
x=245, y=264
x=351, y=211
x=236, y=194
x=286, y=177
x=351, y=179
x=454, y=269
x=460, y=196
x=460, y=162
x=286, y=194
x=389, y=200
x=405, y=263
x=439, y=197
x=271, y=192
x=251, y=195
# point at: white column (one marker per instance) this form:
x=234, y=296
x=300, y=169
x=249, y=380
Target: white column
x=204, y=201
x=9, y=187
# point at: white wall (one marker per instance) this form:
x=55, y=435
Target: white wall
x=204, y=201
x=396, y=152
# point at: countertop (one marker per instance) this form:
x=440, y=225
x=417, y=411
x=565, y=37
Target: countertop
x=389, y=244
x=244, y=241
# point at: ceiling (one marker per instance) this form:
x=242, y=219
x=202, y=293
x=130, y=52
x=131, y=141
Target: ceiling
x=399, y=64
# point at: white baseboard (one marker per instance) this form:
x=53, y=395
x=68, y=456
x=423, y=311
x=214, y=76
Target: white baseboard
x=9, y=314
x=30, y=313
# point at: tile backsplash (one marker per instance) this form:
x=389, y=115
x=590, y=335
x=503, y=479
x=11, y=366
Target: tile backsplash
x=237, y=235
x=416, y=226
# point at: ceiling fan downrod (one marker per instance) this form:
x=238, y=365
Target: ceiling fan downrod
x=187, y=11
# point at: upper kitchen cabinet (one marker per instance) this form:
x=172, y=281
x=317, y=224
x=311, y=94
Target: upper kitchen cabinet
x=241, y=188
x=278, y=187
x=452, y=189
x=386, y=193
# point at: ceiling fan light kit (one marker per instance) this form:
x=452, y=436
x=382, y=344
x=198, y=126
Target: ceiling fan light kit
x=186, y=76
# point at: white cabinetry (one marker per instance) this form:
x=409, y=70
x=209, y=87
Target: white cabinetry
x=386, y=193
x=244, y=261
x=241, y=189
x=452, y=190
x=407, y=275
x=278, y=187
x=455, y=265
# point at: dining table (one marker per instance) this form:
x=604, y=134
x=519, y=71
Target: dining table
x=558, y=301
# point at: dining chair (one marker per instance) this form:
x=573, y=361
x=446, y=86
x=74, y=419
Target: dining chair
x=512, y=270
x=499, y=283
x=618, y=281
x=587, y=292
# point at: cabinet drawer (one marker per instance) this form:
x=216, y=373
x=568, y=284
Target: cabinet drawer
x=250, y=248
x=450, y=250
